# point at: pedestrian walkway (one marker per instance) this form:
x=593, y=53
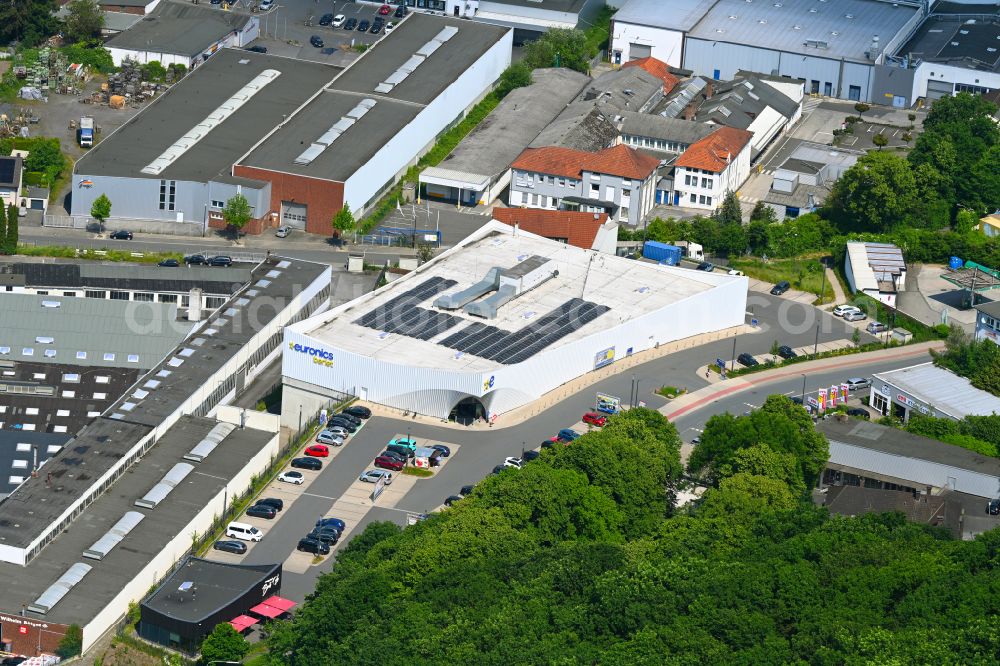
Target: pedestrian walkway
x=697, y=399
x=838, y=291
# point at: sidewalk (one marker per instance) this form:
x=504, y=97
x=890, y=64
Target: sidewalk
x=692, y=401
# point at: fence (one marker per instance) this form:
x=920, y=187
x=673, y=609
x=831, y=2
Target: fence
x=402, y=236
x=134, y=225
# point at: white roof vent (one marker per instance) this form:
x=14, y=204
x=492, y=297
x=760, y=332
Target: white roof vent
x=159, y=492
x=114, y=536
x=60, y=588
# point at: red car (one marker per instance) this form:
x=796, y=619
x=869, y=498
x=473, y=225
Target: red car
x=595, y=419
x=318, y=451
x=385, y=462
x=384, y=10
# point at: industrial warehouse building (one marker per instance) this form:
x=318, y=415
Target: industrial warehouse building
x=299, y=140
x=495, y=323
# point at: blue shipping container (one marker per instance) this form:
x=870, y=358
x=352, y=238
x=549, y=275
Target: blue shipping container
x=662, y=253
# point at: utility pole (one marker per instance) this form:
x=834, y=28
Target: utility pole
x=816, y=344
x=803, y=389
x=733, y=367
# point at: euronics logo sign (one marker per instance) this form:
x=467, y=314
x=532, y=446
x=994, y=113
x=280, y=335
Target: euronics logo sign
x=319, y=356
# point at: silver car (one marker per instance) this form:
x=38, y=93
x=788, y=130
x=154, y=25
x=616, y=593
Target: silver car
x=338, y=431
x=373, y=475
x=328, y=437
x=857, y=383
x=855, y=316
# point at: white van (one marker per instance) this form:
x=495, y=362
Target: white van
x=244, y=532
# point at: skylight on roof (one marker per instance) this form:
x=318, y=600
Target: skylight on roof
x=231, y=312
x=163, y=373
x=273, y=274
x=175, y=362
x=186, y=352
x=44, y=340
x=263, y=284
x=27, y=351
x=284, y=264
x=151, y=384
x=133, y=358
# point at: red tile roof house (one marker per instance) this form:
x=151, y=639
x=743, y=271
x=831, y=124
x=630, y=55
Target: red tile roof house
x=711, y=167
x=590, y=231
x=619, y=181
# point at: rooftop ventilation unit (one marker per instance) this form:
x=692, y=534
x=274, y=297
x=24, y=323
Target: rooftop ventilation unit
x=332, y=134
x=114, y=536
x=511, y=283
x=160, y=491
x=60, y=588
x=214, y=437
x=199, y=131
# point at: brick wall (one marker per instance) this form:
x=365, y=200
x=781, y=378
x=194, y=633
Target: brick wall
x=323, y=198
x=38, y=634
x=253, y=227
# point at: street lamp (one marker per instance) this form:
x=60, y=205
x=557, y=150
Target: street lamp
x=816, y=343
x=803, y=389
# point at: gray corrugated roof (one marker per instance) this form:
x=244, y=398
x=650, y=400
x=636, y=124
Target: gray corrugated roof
x=94, y=326
x=610, y=89
x=580, y=126
x=789, y=24
x=674, y=15
x=667, y=129
x=991, y=308
x=745, y=99
x=180, y=28
x=942, y=389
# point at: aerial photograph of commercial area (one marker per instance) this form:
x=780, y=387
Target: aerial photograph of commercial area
x=499, y=332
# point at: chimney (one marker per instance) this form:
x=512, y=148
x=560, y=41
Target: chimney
x=34, y=463
x=195, y=305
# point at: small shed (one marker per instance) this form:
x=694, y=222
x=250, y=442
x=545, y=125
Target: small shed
x=36, y=198
x=901, y=335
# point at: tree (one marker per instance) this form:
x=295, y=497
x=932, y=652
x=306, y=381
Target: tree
x=763, y=213
x=729, y=212
x=84, y=20
x=517, y=75
x=223, y=644
x=10, y=234
x=30, y=21
x=343, y=221
x=775, y=348
x=154, y=71
x=861, y=108
x=856, y=337
x=71, y=643
x=425, y=252
x=559, y=47
x=100, y=210
x=880, y=140
x=876, y=194
x=237, y=213
x=3, y=231
x=965, y=222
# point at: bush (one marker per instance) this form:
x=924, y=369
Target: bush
x=71, y=643
x=942, y=330
x=418, y=472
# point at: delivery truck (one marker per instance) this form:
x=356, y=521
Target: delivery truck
x=85, y=135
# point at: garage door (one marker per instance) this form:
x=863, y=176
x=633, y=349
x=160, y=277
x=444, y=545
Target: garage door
x=636, y=51
x=293, y=214
x=939, y=89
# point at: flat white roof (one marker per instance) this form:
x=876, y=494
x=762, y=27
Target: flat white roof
x=629, y=288
x=943, y=390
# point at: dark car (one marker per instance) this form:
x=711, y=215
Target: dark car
x=442, y=449
x=257, y=48
x=351, y=24
x=797, y=399
x=466, y=490
x=350, y=417
x=326, y=19
x=327, y=535
x=313, y=546
x=121, y=235
x=385, y=462
x=394, y=454
x=780, y=288
x=568, y=434
x=13, y=661
x=169, y=263
x=262, y=511
x=548, y=444
x=860, y=413
x=349, y=426
x=220, y=260
x=316, y=41
x=363, y=26
x=376, y=27
x=499, y=468
x=237, y=547
x=706, y=266
x=332, y=522
x=784, y=351
x=530, y=455
x=273, y=502
x=993, y=507
x=358, y=411
x=307, y=463
x=451, y=499
x=747, y=360
x=400, y=11
x=399, y=449
x=195, y=259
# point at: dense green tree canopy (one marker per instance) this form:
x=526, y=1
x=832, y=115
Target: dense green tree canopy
x=29, y=21
x=560, y=47
x=877, y=193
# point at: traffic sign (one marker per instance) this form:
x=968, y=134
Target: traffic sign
x=754, y=322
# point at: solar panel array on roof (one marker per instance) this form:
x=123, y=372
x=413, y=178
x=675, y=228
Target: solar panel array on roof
x=7, y=170
x=508, y=348
x=401, y=314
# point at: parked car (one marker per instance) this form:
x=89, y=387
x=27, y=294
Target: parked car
x=363, y=25
x=400, y=12
x=307, y=463
x=442, y=449
x=244, y=532
x=780, y=288
x=121, y=235
x=841, y=310
x=338, y=20
x=595, y=419
x=220, y=260
x=266, y=5
x=350, y=417
x=376, y=27
x=350, y=24
x=747, y=360
x=567, y=435
x=373, y=476
x=228, y=546
x=278, y=504
x=706, y=266
x=332, y=522
x=855, y=316
x=876, y=327
x=331, y=438
x=257, y=48
x=313, y=546
x=389, y=27
x=262, y=511
x=511, y=461
x=860, y=413
x=283, y=231
x=326, y=19
x=384, y=10
x=549, y=443
x=169, y=263
x=318, y=451
x=326, y=535
x=451, y=499
x=337, y=431
x=856, y=383
x=335, y=422
x=784, y=351
x=195, y=260
x=499, y=468
x=530, y=455
x=993, y=507
x=385, y=462
x=400, y=450
x=465, y=491
x=410, y=443
x=401, y=457
x=358, y=411
x=316, y=41
x=292, y=477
